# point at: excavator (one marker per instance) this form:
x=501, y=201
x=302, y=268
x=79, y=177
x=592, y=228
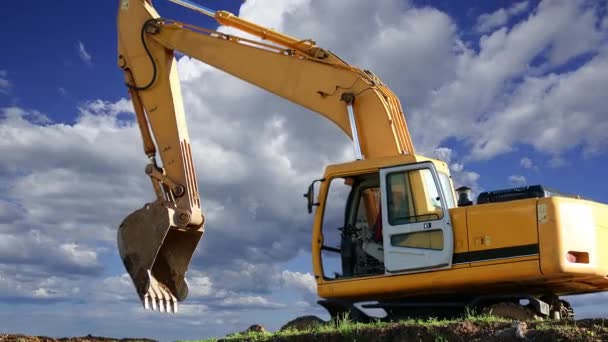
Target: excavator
x=406, y=241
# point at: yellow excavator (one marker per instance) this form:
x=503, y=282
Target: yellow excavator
x=406, y=242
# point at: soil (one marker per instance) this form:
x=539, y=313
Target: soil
x=88, y=338
x=582, y=330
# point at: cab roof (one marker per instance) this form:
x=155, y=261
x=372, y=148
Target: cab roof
x=373, y=165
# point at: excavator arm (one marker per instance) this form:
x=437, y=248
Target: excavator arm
x=156, y=242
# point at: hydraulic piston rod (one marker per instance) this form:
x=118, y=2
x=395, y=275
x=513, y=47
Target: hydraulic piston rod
x=349, y=98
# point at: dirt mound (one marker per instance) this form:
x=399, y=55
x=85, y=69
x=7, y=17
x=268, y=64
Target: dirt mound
x=88, y=338
x=303, y=323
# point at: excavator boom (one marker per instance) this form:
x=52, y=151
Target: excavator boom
x=157, y=242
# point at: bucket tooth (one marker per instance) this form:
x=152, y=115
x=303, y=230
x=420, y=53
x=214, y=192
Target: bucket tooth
x=153, y=303
x=147, y=301
x=173, y=303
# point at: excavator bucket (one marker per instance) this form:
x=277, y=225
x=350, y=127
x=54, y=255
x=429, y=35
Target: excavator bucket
x=156, y=255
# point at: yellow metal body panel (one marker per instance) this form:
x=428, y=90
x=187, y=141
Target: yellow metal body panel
x=500, y=225
x=461, y=235
x=465, y=280
x=573, y=225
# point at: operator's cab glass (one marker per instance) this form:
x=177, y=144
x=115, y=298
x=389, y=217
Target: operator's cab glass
x=352, y=228
x=404, y=207
x=333, y=219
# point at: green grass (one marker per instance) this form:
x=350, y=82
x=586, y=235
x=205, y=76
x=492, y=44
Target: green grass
x=348, y=328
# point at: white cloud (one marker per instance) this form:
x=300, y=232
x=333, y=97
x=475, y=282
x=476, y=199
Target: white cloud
x=553, y=113
x=78, y=254
x=299, y=280
x=250, y=302
x=487, y=106
x=114, y=288
x=5, y=84
x=487, y=22
x=84, y=55
x=444, y=153
x=526, y=163
x=460, y=176
x=557, y=161
x=17, y=285
x=456, y=167
x=517, y=180
x=200, y=286
x=34, y=247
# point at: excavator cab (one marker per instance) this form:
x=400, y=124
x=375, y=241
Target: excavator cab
x=396, y=218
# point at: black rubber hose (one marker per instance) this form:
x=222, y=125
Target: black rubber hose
x=154, y=71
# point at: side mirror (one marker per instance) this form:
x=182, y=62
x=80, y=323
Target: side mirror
x=310, y=195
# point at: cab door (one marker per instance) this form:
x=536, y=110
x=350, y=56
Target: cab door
x=417, y=231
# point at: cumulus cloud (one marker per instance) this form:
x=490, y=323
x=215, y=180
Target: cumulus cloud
x=35, y=248
x=244, y=302
x=460, y=176
x=488, y=106
x=557, y=161
x=526, y=163
x=444, y=153
x=33, y=289
x=517, y=180
x=487, y=22
x=299, y=280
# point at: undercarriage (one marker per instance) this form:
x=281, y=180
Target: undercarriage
x=520, y=307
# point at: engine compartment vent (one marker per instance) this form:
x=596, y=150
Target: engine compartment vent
x=531, y=191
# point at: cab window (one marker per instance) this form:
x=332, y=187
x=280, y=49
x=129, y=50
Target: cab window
x=412, y=197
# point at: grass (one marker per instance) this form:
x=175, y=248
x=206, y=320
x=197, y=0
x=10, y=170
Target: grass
x=346, y=327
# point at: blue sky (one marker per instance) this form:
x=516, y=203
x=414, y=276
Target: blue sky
x=509, y=93
x=44, y=43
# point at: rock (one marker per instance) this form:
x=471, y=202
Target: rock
x=255, y=328
x=518, y=330
x=521, y=329
x=303, y=323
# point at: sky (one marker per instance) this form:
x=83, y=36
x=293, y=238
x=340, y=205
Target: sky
x=508, y=93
